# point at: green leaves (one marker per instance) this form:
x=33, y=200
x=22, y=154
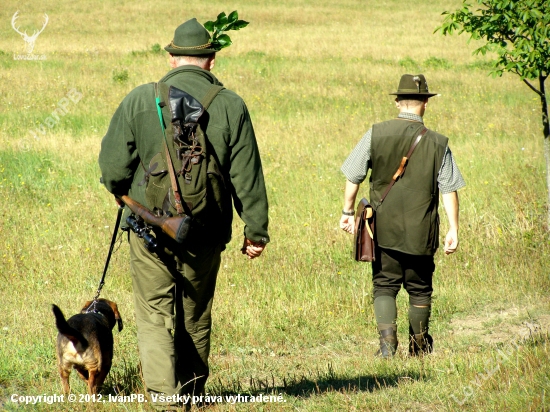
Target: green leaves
x=517, y=31
x=223, y=23
x=224, y=40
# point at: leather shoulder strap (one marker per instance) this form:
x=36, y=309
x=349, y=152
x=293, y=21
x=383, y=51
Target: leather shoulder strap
x=403, y=164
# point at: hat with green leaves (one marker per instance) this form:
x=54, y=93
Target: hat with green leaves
x=193, y=39
x=413, y=84
x=190, y=39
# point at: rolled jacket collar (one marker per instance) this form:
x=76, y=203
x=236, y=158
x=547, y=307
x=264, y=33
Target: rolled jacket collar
x=189, y=68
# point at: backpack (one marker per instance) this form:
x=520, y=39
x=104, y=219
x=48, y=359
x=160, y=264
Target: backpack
x=200, y=182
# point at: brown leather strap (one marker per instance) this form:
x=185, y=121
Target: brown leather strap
x=177, y=196
x=403, y=164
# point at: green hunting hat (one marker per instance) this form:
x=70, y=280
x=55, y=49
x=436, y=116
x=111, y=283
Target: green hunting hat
x=190, y=39
x=413, y=84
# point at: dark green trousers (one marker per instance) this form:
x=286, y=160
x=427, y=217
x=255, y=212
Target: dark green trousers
x=393, y=269
x=173, y=294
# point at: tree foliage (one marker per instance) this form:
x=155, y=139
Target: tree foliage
x=518, y=31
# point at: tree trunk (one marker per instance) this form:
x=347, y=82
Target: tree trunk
x=546, y=131
x=547, y=157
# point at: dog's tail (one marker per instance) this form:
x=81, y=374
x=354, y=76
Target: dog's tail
x=67, y=330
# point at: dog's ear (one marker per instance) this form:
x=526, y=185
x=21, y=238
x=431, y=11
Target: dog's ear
x=118, y=319
x=86, y=306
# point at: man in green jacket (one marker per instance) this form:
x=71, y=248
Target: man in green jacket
x=406, y=220
x=174, y=285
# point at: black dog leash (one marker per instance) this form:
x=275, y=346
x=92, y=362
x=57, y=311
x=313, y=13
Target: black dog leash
x=91, y=308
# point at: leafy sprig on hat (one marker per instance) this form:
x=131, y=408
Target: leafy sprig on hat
x=224, y=23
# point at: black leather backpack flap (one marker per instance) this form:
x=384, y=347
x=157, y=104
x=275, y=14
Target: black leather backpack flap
x=184, y=107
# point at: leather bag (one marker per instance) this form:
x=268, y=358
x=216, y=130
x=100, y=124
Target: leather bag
x=364, y=249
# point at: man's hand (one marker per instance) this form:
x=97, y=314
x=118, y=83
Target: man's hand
x=252, y=249
x=347, y=223
x=451, y=242
x=450, y=203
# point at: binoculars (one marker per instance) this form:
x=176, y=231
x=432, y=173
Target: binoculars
x=143, y=231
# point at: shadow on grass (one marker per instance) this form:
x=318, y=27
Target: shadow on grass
x=127, y=379
x=124, y=380
x=321, y=382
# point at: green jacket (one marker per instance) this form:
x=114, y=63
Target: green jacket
x=135, y=136
x=407, y=220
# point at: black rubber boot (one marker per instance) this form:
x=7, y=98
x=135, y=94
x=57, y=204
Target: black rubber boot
x=420, y=344
x=388, y=341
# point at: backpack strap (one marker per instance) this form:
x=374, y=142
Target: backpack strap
x=210, y=95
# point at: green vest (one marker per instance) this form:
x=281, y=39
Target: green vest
x=407, y=220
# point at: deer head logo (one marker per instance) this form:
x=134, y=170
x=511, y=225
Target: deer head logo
x=29, y=40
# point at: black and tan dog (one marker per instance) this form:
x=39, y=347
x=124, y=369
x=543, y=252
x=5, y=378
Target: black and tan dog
x=85, y=342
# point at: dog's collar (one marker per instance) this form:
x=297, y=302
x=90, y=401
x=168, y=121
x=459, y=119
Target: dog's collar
x=92, y=309
x=96, y=312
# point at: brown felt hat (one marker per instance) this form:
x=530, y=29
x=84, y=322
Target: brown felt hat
x=413, y=84
x=190, y=39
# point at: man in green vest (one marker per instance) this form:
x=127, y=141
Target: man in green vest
x=174, y=285
x=406, y=219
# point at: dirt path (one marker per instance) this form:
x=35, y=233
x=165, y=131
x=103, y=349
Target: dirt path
x=497, y=326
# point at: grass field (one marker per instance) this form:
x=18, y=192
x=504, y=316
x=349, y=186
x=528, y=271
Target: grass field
x=299, y=321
